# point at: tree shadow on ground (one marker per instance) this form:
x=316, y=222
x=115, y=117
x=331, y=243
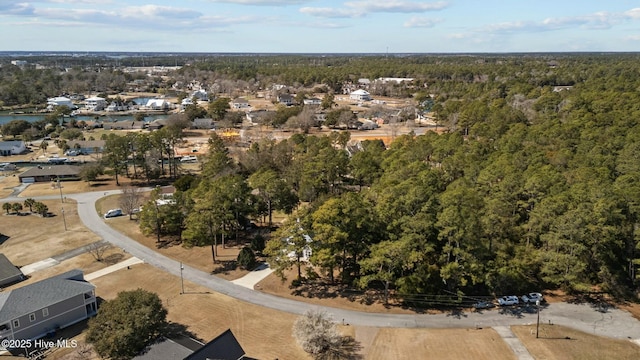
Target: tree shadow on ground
x=225, y=267
x=598, y=301
x=113, y=259
x=457, y=313
x=349, y=349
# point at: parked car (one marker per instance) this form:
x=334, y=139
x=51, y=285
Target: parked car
x=532, y=298
x=508, y=300
x=483, y=305
x=113, y=213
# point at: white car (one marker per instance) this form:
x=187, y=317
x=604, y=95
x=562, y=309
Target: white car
x=532, y=298
x=508, y=300
x=113, y=213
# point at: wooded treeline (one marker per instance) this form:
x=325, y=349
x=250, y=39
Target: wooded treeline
x=536, y=185
x=531, y=188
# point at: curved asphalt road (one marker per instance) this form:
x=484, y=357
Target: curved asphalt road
x=608, y=322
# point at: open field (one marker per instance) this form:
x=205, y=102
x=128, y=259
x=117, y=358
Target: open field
x=559, y=342
x=32, y=238
x=438, y=344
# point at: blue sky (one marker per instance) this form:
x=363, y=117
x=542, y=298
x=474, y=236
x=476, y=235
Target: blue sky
x=308, y=26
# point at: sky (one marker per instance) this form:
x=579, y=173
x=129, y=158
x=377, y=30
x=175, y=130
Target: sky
x=313, y=26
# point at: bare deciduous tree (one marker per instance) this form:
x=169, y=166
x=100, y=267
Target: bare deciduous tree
x=319, y=336
x=130, y=199
x=98, y=249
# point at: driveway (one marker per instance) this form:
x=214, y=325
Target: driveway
x=606, y=322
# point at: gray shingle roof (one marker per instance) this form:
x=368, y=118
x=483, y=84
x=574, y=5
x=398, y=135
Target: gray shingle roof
x=7, y=269
x=52, y=170
x=41, y=294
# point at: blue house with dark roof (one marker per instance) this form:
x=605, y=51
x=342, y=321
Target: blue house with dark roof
x=36, y=310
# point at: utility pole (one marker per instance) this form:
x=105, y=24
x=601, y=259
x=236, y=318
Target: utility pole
x=181, y=278
x=538, y=323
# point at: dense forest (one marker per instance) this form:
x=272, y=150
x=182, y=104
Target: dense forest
x=535, y=185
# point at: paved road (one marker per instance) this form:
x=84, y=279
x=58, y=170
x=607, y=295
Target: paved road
x=608, y=322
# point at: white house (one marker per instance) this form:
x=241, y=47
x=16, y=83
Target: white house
x=12, y=147
x=60, y=101
x=360, y=95
x=286, y=99
x=115, y=106
x=306, y=251
x=240, y=103
x=95, y=103
x=312, y=101
x=200, y=95
x=185, y=102
x=157, y=104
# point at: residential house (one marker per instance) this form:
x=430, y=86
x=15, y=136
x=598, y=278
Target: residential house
x=385, y=80
x=360, y=95
x=259, y=116
x=158, y=104
x=116, y=106
x=9, y=273
x=306, y=251
x=224, y=347
x=185, y=102
x=157, y=124
x=14, y=147
x=200, y=95
x=286, y=99
x=44, y=307
x=240, y=103
x=95, y=103
x=50, y=173
x=124, y=125
x=60, y=101
x=87, y=147
x=312, y=101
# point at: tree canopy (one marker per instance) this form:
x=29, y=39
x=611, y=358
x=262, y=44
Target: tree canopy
x=125, y=325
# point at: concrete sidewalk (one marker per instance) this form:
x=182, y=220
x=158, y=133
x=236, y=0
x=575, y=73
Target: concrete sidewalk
x=109, y=269
x=514, y=343
x=40, y=265
x=251, y=279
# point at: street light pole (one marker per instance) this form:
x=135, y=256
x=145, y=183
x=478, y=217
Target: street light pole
x=538, y=323
x=181, y=278
x=60, y=187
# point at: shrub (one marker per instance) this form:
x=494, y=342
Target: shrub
x=246, y=258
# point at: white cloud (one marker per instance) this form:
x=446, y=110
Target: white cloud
x=263, y=2
x=422, y=22
x=361, y=8
x=331, y=12
x=595, y=21
x=394, y=6
x=633, y=13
